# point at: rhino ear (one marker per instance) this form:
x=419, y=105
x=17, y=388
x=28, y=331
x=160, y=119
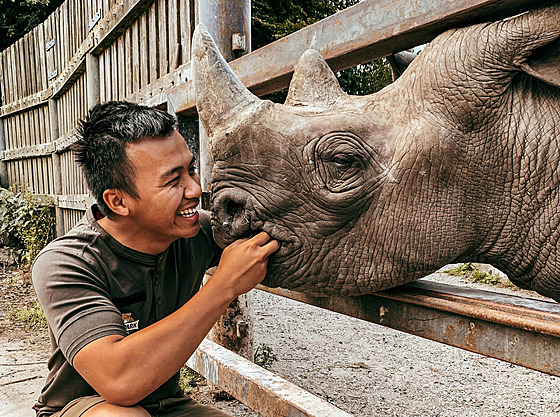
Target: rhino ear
x=399, y=62
x=544, y=63
x=313, y=84
x=220, y=95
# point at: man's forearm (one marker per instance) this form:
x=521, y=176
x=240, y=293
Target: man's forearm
x=136, y=365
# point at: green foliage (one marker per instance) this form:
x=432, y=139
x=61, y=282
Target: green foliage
x=31, y=318
x=471, y=272
x=264, y=356
x=366, y=78
x=272, y=20
x=17, y=17
x=189, y=380
x=26, y=223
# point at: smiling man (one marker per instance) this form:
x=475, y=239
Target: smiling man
x=121, y=291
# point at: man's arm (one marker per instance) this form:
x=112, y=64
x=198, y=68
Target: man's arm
x=124, y=370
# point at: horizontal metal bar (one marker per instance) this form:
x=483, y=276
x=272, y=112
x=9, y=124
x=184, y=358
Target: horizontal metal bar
x=266, y=393
x=368, y=30
x=519, y=330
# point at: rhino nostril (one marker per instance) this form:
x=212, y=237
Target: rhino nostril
x=234, y=209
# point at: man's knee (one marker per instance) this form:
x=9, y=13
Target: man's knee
x=105, y=409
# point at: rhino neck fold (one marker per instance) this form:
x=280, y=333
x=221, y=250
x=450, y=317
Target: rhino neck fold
x=525, y=247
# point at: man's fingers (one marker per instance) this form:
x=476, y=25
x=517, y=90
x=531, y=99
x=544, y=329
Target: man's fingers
x=271, y=246
x=264, y=240
x=260, y=238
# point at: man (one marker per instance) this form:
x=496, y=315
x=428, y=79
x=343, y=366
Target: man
x=121, y=290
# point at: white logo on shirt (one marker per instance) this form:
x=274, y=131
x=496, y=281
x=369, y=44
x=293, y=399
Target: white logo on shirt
x=129, y=323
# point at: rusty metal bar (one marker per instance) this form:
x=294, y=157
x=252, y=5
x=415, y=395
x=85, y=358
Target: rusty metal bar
x=371, y=29
x=266, y=393
x=519, y=330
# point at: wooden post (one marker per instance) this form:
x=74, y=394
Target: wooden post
x=57, y=173
x=229, y=23
x=92, y=80
x=3, y=168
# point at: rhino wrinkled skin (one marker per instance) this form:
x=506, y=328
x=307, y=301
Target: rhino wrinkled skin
x=456, y=161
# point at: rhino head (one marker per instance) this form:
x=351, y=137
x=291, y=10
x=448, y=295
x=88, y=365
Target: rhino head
x=457, y=160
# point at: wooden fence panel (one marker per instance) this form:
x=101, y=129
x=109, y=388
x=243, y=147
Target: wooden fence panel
x=7, y=71
x=162, y=34
x=153, y=51
x=41, y=58
x=72, y=179
x=18, y=58
x=72, y=106
x=3, y=77
x=173, y=49
x=13, y=87
x=185, y=31
x=135, y=57
x=49, y=47
x=143, y=48
x=71, y=217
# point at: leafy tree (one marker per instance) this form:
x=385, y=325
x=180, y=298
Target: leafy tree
x=17, y=17
x=274, y=19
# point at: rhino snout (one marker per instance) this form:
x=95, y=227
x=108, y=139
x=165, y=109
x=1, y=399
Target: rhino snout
x=231, y=215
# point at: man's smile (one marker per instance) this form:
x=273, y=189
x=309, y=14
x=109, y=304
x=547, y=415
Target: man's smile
x=188, y=213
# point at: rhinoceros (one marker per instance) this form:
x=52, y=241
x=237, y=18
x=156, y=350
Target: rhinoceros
x=455, y=161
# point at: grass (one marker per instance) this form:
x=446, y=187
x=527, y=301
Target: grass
x=470, y=272
x=264, y=356
x=189, y=380
x=31, y=318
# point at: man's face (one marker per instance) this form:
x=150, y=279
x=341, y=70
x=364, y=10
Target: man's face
x=168, y=187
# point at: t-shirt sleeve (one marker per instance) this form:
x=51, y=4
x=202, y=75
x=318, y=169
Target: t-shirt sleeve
x=75, y=300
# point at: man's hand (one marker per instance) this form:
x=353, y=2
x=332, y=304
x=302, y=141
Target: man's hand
x=243, y=263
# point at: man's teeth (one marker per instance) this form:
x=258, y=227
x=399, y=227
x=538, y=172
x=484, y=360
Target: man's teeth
x=187, y=213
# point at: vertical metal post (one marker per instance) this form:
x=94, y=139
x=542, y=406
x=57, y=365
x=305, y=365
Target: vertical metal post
x=57, y=172
x=229, y=23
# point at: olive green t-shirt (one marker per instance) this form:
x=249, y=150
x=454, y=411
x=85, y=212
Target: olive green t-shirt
x=91, y=286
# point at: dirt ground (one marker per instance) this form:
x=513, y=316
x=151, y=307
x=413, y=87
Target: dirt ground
x=364, y=369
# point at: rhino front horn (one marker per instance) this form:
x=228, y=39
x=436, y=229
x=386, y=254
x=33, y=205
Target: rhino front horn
x=220, y=95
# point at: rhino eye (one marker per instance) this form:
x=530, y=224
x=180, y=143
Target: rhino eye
x=340, y=161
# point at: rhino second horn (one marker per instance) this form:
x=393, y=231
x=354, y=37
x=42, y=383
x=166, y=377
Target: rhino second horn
x=220, y=95
x=313, y=84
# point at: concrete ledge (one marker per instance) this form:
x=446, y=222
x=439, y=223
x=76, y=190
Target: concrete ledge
x=259, y=389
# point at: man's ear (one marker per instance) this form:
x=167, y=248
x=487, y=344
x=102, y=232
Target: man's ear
x=116, y=201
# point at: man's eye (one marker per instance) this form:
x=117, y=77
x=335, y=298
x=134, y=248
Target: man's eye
x=174, y=181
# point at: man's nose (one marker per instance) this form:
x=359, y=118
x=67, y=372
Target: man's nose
x=192, y=188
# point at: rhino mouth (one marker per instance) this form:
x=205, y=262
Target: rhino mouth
x=224, y=236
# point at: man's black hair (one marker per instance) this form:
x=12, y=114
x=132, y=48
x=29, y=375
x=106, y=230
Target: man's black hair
x=102, y=138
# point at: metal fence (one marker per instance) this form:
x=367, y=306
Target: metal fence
x=139, y=50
